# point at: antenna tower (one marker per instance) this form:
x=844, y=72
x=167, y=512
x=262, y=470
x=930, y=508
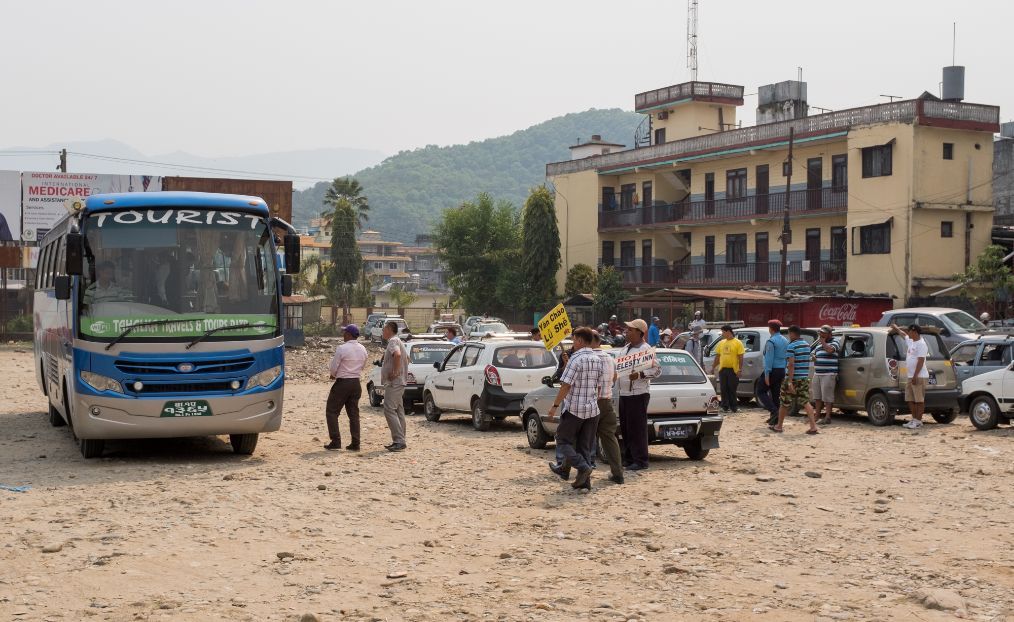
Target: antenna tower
x=692, y=39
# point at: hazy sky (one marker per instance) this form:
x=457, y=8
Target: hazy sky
x=218, y=77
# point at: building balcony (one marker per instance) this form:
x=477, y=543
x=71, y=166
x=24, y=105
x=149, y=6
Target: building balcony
x=822, y=273
x=817, y=202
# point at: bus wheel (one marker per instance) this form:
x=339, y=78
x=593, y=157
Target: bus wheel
x=243, y=444
x=91, y=447
x=55, y=418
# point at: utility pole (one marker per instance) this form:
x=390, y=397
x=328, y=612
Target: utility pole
x=786, y=232
x=63, y=161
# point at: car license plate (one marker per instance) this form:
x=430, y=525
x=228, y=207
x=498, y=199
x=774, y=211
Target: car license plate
x=670, y=432
x=932, y=379
x=187, y=408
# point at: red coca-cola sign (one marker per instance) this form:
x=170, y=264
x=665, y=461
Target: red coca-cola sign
x=838, y=313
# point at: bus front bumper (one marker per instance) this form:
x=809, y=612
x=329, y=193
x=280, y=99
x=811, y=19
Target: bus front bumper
x=103, y=417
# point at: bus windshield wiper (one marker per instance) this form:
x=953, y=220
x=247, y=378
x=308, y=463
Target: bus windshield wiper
x=131, y=328
x=212, y=331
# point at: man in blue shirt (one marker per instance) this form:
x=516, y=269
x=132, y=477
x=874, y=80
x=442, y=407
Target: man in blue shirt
x=795, y=392
x=654, y=333
x=775, y=354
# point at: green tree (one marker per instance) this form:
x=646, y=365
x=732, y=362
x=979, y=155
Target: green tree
x=477, y=241
x=540, y=249
x=362, y=294
x=609, y=292
x=346, y=260
x=989, y=280
x=581, y=279
x=349, y=190
x=401, y=297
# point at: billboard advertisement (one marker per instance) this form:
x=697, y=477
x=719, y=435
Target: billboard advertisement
x=10, y=206
x=45, y=194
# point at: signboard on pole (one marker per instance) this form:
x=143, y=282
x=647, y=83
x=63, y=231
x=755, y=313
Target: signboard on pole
x=10, y=206
x=554, y=327
x=635, y=362
x=43, y=195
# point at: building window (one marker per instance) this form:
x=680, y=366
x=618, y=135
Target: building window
x=839, y=172
x=646, y=257
x=647, y=195
x=838, y=243
x=608, y=254
x=875, y=239
x=628, y=254
x=877, y=160
x=735, y=183
x=392, y=266
x=378, y=265
x=947, y=229
x=627, y=192
x=709, y=194
x=735, y=248
x=948, y=151
x=608, y=199
x=660, y=136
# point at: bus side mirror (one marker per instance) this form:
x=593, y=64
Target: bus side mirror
x=75, y=254
x=291, y=253
x=286, y=284
x=62, y=286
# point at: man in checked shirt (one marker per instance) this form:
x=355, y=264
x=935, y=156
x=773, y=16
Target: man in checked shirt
x=579, y=392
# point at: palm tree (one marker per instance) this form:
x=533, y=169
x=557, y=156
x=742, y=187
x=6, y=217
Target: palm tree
x=347, y=188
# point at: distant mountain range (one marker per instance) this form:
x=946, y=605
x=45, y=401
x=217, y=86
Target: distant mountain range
x=408, y=191
x=303, y=167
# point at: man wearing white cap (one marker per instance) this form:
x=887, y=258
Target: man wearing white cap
x=635, y=391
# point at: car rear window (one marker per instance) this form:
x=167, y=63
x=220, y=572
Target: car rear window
x=678, y=368
x=491, y=328
x=429, y=353
x=897, y=349
x=523, y=357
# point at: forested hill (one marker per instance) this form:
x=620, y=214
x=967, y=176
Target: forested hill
x=408, y=191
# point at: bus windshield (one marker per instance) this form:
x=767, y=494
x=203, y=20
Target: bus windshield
x=206, y=269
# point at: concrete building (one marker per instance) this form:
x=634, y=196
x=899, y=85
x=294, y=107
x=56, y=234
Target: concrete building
x=1003, y=175
x=383, y=260
x=892, y=198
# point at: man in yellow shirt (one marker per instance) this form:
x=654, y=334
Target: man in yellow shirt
x=728, y=361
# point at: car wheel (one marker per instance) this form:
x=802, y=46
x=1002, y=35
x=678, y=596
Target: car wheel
x=430, y=408
x=409, y=405
x=375, y=400
x=243, y=444
x=878, y=410
x=945, y=417
x=55, y=418
x=480, y=420
x=695, y=451
x=537, y=437
x=91, y=447
x=984, y=413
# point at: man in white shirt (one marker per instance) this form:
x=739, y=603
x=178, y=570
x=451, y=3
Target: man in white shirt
x=697, y=321
x=916, y=370
x=346, y=369
x=635, y=392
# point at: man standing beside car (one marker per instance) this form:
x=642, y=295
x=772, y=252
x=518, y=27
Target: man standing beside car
x=346, y=369
x=796, y=388
x=917, y=372
x=579, y=390
x=635, y=392
x=728, y=361
x=825, y=373
x=775, y=355
x=393, y=374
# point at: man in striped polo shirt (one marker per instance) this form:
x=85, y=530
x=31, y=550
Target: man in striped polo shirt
x=796, y=388
x=825, y=372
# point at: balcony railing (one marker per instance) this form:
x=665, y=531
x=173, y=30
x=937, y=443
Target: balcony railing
x=687, y=90
x=816, y=201
x=766, y=274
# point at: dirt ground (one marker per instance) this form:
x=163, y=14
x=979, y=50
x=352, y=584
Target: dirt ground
x=858, y=523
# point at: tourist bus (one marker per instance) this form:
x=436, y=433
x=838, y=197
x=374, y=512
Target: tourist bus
x=158, y=314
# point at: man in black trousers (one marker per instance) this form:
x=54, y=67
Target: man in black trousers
x=635, y=392
x=346, y=368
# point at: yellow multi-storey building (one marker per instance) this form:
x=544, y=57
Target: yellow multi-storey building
x=891, y=199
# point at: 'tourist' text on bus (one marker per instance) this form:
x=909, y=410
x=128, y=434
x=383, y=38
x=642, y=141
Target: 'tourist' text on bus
x=159, y=315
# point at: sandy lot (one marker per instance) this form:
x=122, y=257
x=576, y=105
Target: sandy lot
x=889, y=524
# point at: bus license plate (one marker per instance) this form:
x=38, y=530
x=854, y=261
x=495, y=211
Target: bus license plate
x=187, y=408
x=670, y=432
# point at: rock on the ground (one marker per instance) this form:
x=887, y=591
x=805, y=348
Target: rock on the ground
x=940, y=599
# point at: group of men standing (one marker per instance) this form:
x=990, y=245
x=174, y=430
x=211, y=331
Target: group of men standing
x=585, y=401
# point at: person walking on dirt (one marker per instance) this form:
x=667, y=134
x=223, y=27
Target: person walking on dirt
x=579, y=390
x=608, y=421
x=346, y=369
x=915, y=368
x=728, y=363
x=393, y=374
x=775, y=359
x=796, y=388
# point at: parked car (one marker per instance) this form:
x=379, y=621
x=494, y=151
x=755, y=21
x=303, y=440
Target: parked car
x=377, y=332
x=487, y=379
x=421, y=357
x=980, y=356
x=872, y=375
x=989, y=397
x=371, y=319
x=954, y=325
x=485, y=329
x=682, y=410
x=441, y=327
x=752, y=375
x=472, y=320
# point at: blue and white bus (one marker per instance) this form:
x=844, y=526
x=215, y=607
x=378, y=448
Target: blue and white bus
x=158, y=314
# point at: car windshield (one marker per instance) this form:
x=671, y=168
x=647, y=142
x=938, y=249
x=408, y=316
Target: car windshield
x=523, y=357
x=495, y=327
x=206, y=269
x=678, y=368
x=429, y=353
x=965, y=321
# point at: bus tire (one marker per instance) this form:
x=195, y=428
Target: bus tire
x=91, y=447
x=243, y=444
x=55, y=418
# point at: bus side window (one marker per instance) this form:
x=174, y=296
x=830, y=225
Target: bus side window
x=40, y=269
x=61, y=263
x=47, y=264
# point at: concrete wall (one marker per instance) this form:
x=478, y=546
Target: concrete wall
x=687, y=119
x=577, y=201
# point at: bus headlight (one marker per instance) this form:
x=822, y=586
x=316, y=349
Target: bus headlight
x=264, y=378
x=100, y=382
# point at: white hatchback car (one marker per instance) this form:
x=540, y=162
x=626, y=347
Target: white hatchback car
x=421, y=356
x=989, y=398
x=488, y=379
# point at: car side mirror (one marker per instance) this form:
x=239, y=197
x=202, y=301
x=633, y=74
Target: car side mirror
x=291, y=253
x=286, y=284
x=547, y=380
x=75, y=255
x=436, y=366
x=62, y=286
x=945, y=332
